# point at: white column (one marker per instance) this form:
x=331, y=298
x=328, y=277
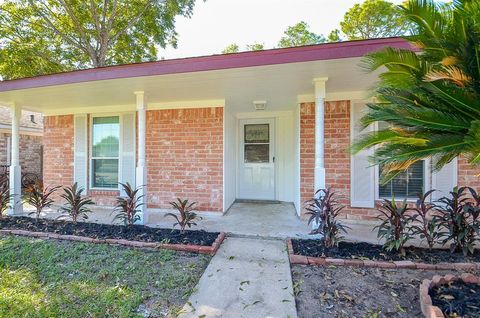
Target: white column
x=141, y=170
x=319, y=181
x=15, y=169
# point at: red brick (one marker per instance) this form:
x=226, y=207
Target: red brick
x=354, y=262
x=335, y=261
x=298, y=259
x=381, y=264
x=465, y=266
x=425, y=266
x=320, y=261
x=404, y=264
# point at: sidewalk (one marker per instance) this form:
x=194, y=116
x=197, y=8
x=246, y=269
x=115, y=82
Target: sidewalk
x=246, y=278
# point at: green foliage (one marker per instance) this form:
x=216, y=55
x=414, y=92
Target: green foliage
x=4, y=195
x=128, y=207
x=48, y=36
x=395, y=225
x=75, y=204
x=256, y=47
x=48, y=278
x=324, y=209
x=232, y=48
x=373, y=19
x=298, y=35
x=334, y=36
x=431, y=100
x=187, y=216
x=424, y=221
x=39, y=197
x=459, y=220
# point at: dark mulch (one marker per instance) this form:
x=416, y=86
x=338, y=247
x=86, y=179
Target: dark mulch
x=314, y=248
x=457, y=299
x=109, y=231
x=351, y=292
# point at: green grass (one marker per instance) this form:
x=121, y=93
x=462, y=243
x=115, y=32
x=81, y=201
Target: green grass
x=47, y=278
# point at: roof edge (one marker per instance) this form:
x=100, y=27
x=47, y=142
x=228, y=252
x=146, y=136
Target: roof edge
x=318, y=52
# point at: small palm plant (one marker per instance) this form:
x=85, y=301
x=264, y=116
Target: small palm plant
x=324, y=210
x=424, y=220
x=76, y=205
x=128, y=207
x=395, y=225
x=39, y=197
x=187, y=216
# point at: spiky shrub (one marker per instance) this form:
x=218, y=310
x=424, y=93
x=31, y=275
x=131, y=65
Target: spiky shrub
x=394, y=226
x=324, y=209
x=4, y=195
x=39, y=197
x=459, y=224
x=473, y=210
x=424, y=221
x=127, y=208
x=187, y=216
x=76, y=205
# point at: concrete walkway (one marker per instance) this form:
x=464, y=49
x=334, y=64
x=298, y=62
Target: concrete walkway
x=248, y=277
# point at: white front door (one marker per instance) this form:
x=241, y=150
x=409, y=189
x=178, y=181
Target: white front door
x=256, y=170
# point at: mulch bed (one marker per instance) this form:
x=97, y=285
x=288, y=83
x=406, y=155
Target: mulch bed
x=139, y=233
x=349, y=250
x=457, y=299
x=352, y=292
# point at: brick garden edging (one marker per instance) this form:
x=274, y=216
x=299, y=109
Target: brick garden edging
x=428, y=309
x=325, y=261
x=177, y=247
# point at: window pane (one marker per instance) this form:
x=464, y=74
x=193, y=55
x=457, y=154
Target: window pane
x=258, y=133
x=105, y=136
x=105, y=173
x=257, y=153
x=408, y=184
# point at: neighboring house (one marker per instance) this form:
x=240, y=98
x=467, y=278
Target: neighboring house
x=31, y=147
x=265, y=125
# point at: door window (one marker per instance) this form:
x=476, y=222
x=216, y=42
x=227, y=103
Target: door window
x=257, y=143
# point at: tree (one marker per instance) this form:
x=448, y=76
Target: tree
x=45, y=36
x=256, y=46
x=373, y=19
x=334, y=36
x=431, y=100
x=232, y=48
x=298, y=35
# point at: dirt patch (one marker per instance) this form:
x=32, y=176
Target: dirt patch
x=351, y=250
x=110, y=231
x=457, y=299
x=352, y=292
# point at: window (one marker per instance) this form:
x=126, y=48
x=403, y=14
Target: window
x=105, y=152
x=408, y=184
x=257, y=143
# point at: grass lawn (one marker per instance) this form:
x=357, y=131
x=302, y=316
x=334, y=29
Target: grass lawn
x=48, y=278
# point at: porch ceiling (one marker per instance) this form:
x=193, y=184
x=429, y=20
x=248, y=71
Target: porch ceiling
x=278, y=84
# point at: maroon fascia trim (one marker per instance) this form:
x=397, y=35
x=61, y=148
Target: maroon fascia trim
x=308, y=53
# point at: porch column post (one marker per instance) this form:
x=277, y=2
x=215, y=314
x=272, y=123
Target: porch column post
x=319, y=179
x=15, y=169
x=141, y=170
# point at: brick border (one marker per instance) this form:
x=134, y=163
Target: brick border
x=323, y=261
x=428, y=309
x=177, y=247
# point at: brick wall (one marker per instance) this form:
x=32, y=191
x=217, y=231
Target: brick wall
x=30, y=152
x=185, y=157
x=58, y=150
x=337, y=159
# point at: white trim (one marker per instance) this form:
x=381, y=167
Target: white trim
x=99, y=109
x=261, y=114
x=23, y=130
x=9, y=144
x=336, y=96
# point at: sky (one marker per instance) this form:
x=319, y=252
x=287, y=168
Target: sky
x=217, y=23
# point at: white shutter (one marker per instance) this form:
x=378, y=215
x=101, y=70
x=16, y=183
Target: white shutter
x=127, y=160
x=80, y=150
x=444, y=180
x=362, y=173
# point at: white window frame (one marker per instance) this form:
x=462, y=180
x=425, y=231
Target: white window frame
x=90, y=148
x=427, y=179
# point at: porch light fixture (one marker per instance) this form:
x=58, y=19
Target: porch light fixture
x=260, y=104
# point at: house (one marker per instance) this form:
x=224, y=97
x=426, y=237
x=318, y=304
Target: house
x=264, y=125
x=31, y=145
